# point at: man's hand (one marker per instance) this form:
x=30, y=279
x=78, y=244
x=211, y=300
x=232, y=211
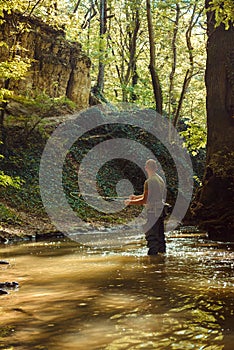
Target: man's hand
x=138, y=200
x=127, y=201
x=132, y=196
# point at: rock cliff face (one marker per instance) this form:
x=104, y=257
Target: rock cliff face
x=59, y=67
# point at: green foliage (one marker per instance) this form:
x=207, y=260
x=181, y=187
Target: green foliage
x=7, y=215
x=6, y=180
x=14, y=69
x=45, y=9
x=5, y=95
x=224, y=12
x=195, y=137
x=25, y=163
x=197, y=181
x=9, y=5
x=41, y=102
x=11, y=70
x=114, y=48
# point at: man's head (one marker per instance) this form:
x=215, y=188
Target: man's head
x=151, y=166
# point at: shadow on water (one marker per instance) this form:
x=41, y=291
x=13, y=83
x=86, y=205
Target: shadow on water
x=79, y=297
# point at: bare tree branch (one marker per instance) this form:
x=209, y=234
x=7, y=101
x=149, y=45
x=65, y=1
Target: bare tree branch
x=77, y=5
x=152, y=67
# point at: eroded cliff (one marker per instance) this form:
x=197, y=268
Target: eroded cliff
x=58, y=67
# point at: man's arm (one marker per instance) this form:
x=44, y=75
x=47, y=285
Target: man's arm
x=132, y=197
x=138, y=200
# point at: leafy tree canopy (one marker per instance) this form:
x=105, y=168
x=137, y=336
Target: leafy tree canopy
x=224, y=11
x=180, y=46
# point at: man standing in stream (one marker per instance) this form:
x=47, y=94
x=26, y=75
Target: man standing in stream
x=153, y=199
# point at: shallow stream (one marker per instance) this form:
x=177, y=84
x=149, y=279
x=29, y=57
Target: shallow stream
x=76, y=297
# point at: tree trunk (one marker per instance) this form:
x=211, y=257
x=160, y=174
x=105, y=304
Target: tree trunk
x=190, y=72
x=172, y=99
x=154, y=75
x=135, y=77
x=131, y=69
x=103, y=29
x=214, y=203
x=3, y=131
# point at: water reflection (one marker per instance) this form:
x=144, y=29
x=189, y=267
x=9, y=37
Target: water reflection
x=77, y=297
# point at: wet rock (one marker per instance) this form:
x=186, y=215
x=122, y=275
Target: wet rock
x=9, y=285
x=49, y=236
x=2, y=292
x=4, y=262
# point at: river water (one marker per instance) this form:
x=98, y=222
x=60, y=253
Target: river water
x=76, y=297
